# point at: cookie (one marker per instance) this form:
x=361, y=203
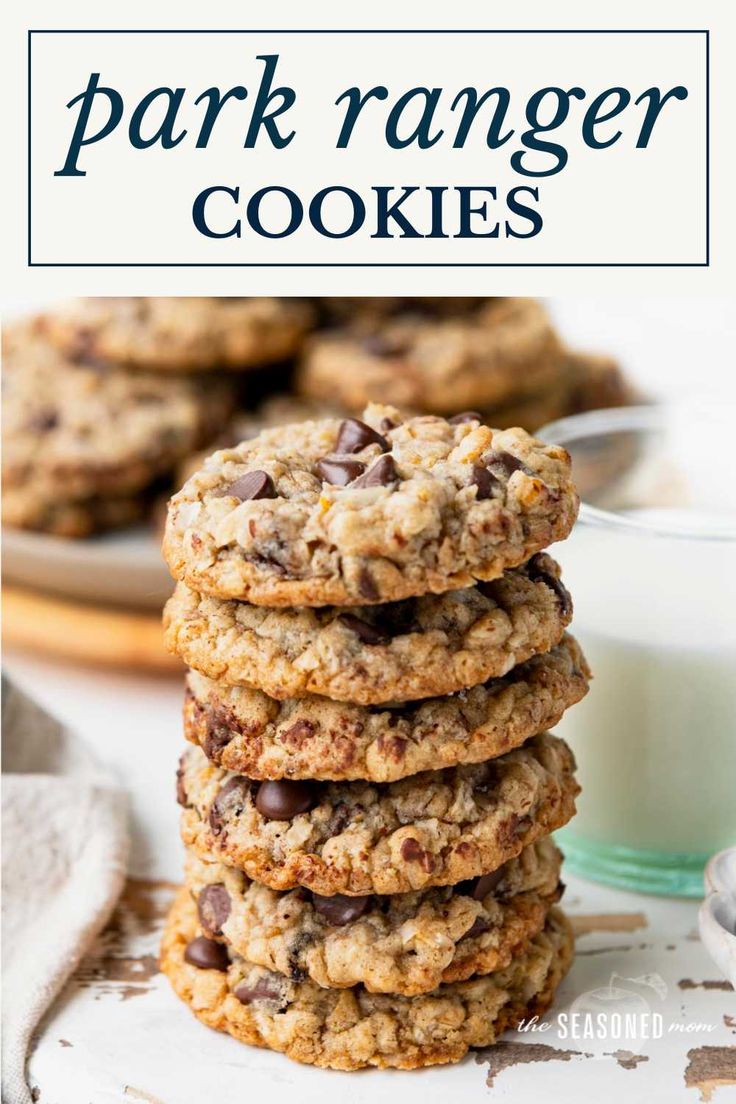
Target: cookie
x=501, y=350
x=181, y=334
x=250, y=733
x=23, y=510
x=361, y=512
x=77, y=431
x=351, y=1028
x=399, y=651
x=408, y=943
x=435, y=828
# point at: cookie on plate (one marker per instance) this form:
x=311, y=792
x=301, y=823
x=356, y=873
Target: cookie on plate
x=81, y=440
x=359, y=512
x=181, y=334
x=408, y=943
x=502, y=349
x=435, y=828
x=349, y=1029
x=312, y=737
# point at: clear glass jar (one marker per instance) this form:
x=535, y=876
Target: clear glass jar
x=651, y=566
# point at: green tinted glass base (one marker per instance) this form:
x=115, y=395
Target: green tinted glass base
x=646, y=871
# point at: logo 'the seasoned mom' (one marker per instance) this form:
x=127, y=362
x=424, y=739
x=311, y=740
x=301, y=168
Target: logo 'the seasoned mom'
x=531, y=138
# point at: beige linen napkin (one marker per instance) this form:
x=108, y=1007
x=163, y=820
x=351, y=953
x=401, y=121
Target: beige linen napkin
x=65, y=845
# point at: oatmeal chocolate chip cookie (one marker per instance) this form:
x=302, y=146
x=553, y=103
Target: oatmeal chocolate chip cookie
x=361, y=512
x=399, y=651
x=315, y=738
x=435, y=828
x=77, y=431
x=351, y=1028
x=181, y=334
x=502, y=349
x=408, y=943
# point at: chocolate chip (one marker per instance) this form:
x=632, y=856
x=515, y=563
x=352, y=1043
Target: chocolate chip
x=254, y=484
x=478, y=888
x=298, y=733
x=366, y=586
x=213, y=906
x=379, y=474
x=340, y=909
x=230, y=801
x=484, y=481
x=401, y=617
x=393, y=747
x=538, y=574
x=514, y=828
x=466, y=416
x=366, y=633
x=205, y=954
x=485, y=476
x=355, y=435
x=480, y=925
x=488, y=588
x=217, y=736
x=413, y=851
x=43, y=421
x=284, y=799
x=266, y=988
x=506, y=462
x=339, y=472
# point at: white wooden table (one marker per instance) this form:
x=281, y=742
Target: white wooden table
x=119, y=1035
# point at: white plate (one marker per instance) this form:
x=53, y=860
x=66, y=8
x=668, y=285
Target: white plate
x=123, y=569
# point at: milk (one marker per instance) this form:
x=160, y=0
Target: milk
x=656, y=737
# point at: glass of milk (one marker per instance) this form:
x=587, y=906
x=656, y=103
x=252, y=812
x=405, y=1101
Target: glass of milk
x=651, y=566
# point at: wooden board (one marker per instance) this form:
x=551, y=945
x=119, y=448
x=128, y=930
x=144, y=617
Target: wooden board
x=99, y=635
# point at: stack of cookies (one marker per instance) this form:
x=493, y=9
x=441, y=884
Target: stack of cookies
x=377, y=643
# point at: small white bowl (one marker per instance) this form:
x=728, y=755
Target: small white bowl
x=717, y=916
